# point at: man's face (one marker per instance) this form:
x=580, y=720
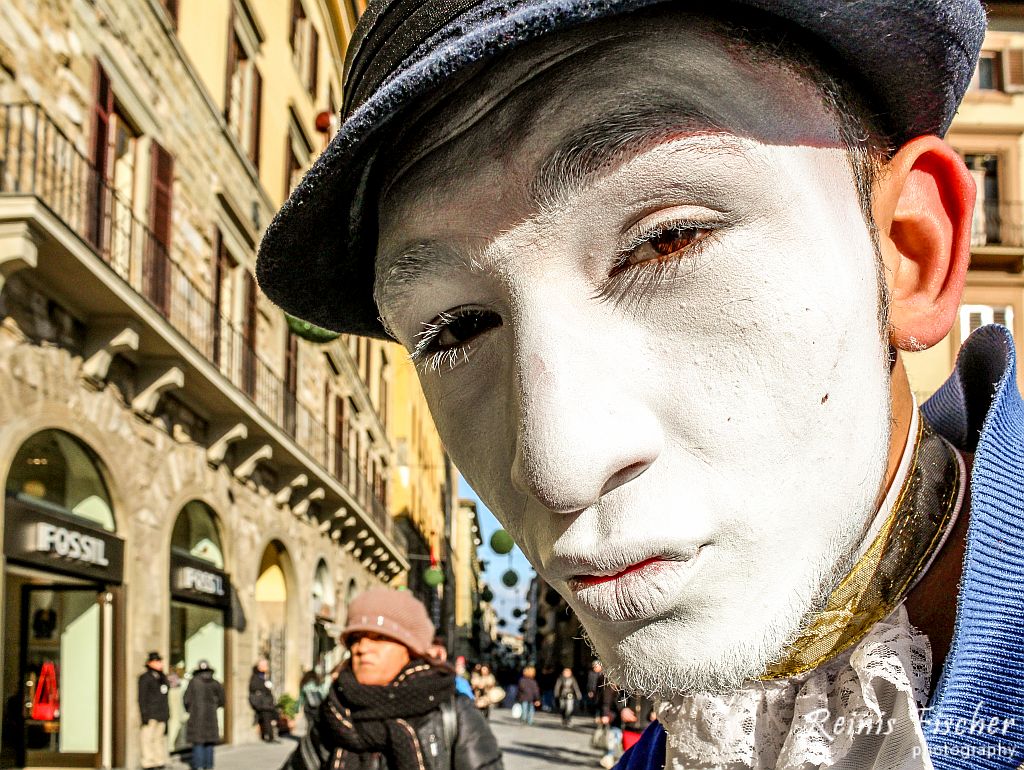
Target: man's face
x=645, y=304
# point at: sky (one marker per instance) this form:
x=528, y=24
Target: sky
x=505, y=599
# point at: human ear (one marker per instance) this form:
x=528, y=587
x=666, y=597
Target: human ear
x=923, y=206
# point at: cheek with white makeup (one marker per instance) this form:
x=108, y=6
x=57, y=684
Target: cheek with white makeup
x=755, y=379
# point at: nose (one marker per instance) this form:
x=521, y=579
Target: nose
x=584, y=427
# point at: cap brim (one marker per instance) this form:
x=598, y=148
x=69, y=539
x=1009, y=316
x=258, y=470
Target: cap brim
x=316, y=260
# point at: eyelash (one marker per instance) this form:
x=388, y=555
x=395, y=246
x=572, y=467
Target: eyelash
x=637, y=282
x=624, y=280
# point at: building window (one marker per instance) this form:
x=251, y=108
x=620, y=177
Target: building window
x=975, y=316
x=357, y=7
x=305, y=47
x=244, y=92
x=1000, y=70
x=986, y=228
x=56, y=471
x=156, y=262
x=382, y=390
x=171, y=6
x=990, y=71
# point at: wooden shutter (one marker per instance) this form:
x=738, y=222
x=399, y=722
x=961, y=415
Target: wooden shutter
x=340, y=440
x=314, y=59
x=234, y=54
x=1013, y=70
x=98, y=194
x=221, y=270
x=172, y=11
x=157, y=269
x=249, y=337
x=298, y=14
x=255, y=114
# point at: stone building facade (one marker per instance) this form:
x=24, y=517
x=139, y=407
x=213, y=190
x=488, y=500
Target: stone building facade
x=988, y=132
x=186, y=470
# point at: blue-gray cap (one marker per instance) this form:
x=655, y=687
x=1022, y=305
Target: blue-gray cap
x=913, y=60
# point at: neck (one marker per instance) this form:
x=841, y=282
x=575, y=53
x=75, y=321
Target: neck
x=903, y=409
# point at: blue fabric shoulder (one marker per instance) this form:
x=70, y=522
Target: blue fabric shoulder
x=648, y=753
x=979, y=409
x=462, y=687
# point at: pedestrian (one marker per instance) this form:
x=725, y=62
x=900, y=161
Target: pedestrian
x=155, y=711
x=261, y=698
x=392, y=705
x=486, y=691
x=595, y=683
x=311, y=694
x=567, y=694
x=438, y=651
x=203, y=696
x=528, y=694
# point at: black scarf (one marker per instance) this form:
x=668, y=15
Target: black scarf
x=358, y=721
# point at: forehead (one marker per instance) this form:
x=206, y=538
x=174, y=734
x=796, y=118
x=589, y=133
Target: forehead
x=658, y=74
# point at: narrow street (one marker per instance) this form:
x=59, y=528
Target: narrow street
x=543, y=745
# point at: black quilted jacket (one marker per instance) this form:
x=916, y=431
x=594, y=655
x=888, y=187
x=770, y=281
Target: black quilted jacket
x=473, y=746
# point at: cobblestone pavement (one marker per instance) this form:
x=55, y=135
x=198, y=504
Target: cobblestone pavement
x=545, y=744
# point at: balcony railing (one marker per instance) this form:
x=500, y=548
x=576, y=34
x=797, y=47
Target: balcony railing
x=38, y=159
x=998, y=223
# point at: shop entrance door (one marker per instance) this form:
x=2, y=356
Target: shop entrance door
x=65, y=631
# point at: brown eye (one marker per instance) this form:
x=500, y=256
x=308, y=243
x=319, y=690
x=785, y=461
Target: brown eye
x=661, y=246
x=465, y=326
x=670, y=241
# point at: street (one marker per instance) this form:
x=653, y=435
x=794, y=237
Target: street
x=543, y=745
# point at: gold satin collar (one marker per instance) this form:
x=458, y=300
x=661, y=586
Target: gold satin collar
x=897, y=556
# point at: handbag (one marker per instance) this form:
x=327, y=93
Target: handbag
x=517, y=710
x=46, y=699
x=599, y=738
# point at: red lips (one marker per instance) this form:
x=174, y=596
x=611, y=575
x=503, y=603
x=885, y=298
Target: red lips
x=585, y=581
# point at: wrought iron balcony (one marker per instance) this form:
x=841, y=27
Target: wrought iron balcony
x=38, y=159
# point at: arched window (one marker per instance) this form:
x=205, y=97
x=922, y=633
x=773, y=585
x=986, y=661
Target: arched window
x=323, y=591
x=53, y=469
x=195, y=533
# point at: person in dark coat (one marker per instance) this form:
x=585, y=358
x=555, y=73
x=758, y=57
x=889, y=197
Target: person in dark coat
x=567, y=694
x=261, y=698
x=392, y=706
x=203, y=696
x=155, y=712
x=528, y=694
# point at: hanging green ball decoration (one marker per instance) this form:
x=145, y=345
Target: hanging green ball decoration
x=518, y=613
x=487, y=595
x=309, y=332
x=433, y=577
x=502, y=542
x=510, y=578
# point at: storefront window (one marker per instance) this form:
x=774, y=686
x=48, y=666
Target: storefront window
x=197, y=633
x=55, y=470
x=200, y=593
x=195, y=533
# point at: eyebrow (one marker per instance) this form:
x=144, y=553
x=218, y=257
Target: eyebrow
x=414, y=263
x=600, y=147
x=596, y=149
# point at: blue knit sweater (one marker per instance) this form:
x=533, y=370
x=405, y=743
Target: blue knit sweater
x=976, y=716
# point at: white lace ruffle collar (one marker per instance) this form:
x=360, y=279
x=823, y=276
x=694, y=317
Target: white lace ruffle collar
x=859, y=711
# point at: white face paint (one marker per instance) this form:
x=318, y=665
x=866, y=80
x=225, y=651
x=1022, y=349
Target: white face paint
x=678, y=404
